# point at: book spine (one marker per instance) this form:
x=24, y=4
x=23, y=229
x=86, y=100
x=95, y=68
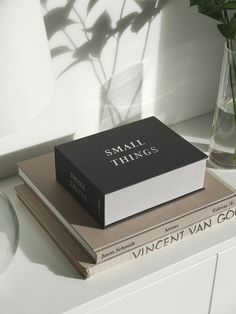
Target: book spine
x=156, y=245
x=79, y=187
x=165, y=229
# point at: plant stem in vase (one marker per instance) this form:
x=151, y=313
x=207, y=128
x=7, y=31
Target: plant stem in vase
x=222, y=150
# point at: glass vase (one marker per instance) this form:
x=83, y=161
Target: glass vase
x=222, y=149
x=9, y=232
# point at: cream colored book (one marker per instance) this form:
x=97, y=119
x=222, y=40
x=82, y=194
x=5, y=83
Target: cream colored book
x=102, y=244
x=82, y=262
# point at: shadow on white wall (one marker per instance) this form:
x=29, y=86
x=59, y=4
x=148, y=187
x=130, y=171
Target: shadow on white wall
x=188, y=65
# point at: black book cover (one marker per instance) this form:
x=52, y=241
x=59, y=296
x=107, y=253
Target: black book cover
x=101, y=164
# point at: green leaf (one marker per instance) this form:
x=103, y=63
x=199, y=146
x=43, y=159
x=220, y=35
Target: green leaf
x=221, y=2
x=59, y=50
x=226, y=31
x=211, y=8
x=229, y=30
x=193, y=2
x=91, y=4
x=216, y=16
x=231, y=5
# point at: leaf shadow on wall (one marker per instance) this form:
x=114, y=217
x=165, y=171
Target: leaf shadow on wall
x=97, y=36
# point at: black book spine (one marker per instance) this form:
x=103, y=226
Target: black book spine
x=79, y=187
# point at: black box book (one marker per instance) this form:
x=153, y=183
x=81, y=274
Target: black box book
x=121, y=172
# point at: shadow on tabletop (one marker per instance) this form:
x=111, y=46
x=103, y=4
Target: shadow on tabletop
x=39, y=248
x=8, y=162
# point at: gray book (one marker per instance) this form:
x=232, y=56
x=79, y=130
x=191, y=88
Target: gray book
x=39, y=174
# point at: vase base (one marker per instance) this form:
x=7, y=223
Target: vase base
x=223, y=159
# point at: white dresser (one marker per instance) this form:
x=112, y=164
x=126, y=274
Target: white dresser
x=195, y=276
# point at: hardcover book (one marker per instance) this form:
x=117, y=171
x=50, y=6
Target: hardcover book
x=103, y=244
x=124, y=171
x=83, y=263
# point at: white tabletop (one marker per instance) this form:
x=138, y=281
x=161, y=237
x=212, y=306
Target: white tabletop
x=41, y=279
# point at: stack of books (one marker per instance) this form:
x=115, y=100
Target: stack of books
x=160, y=194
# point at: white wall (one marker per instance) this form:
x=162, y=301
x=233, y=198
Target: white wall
x=181, y=65
x=189, y=62
x=180, y=74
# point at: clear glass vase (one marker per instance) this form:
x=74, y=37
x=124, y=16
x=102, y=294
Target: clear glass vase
x=222, y=149
x=9, y=232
